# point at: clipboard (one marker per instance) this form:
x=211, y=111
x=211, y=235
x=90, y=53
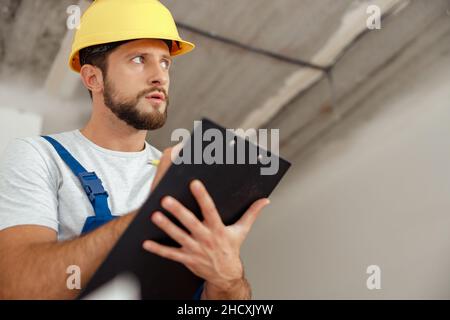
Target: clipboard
x=233, y=186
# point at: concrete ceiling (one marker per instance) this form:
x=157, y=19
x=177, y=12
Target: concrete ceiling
x=292, y=28
x=288, y=64
x=30, y=35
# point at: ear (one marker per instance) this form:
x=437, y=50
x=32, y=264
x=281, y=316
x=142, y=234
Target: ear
x=92, y=78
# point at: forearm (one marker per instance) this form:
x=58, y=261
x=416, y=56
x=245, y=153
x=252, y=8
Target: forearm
x=239, y=290
x=38, y=271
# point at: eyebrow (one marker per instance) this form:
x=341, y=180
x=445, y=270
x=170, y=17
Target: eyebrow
x=139, y=53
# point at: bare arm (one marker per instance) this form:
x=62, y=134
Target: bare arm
x=33, y=263
x=239, y=290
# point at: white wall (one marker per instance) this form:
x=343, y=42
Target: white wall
x=375, y=190
x=58, y=114
x=15, y=123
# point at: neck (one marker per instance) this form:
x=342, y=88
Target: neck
x=107, y=131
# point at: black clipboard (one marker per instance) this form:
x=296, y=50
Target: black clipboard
x=234, y=187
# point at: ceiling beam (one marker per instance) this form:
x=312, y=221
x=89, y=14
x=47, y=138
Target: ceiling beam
x=352, y=26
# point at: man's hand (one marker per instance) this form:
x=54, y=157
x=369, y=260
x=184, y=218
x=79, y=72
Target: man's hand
x=211, y=250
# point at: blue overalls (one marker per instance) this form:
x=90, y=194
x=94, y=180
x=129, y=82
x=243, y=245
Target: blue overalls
x=97, y=195
x=91, y=184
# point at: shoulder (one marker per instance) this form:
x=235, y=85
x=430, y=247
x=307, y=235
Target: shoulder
x=22, y=149
x=33, y=153
x=32, y=146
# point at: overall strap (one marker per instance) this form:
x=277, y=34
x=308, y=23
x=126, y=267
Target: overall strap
x=91, y=184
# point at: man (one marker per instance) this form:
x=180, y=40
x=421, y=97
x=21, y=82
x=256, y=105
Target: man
x=53, y=210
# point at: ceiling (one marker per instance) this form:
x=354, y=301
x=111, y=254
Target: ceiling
x=295, y=65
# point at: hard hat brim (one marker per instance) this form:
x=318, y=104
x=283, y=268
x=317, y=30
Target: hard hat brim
x=183, y=48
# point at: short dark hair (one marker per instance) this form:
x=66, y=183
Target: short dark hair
x=98, y=55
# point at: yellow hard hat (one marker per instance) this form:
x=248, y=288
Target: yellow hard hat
x=107, y=21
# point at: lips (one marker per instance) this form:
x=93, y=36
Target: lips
x=157, y=96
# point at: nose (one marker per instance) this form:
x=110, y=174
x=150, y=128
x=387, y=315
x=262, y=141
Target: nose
x=157, y=76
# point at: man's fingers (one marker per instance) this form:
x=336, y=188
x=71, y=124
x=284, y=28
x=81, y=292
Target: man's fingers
x=206, y=204
x=167, y=252
x=172, y=230
x=186, y=217
x=249, y=217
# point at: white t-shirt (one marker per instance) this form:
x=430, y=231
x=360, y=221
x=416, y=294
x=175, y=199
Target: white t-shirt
x=38, y=188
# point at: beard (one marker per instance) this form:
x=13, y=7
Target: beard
x=127, y=109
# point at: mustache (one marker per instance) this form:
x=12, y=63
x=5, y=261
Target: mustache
x=145, y=92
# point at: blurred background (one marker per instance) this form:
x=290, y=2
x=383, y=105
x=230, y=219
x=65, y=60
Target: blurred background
x=364, y=117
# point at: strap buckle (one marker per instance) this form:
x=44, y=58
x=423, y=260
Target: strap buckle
x=92, y=184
